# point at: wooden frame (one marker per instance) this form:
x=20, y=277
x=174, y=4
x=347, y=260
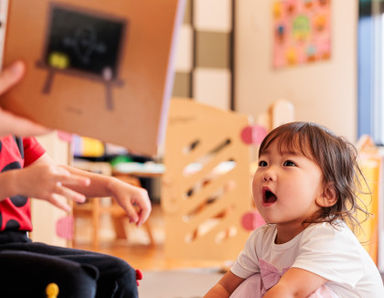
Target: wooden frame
x=206, y=184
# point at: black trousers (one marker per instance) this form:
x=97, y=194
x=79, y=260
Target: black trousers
x=27, y=267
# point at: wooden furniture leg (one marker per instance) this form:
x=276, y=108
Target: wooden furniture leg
x=94, y=209
x=118, y=220
x=118, y=225
x=95, y=222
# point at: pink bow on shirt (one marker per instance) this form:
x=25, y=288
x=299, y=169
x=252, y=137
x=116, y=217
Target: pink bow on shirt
x=269, y=276
x=259, y=283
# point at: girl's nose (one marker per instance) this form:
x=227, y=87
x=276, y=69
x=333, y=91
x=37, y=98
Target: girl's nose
x=268, y=176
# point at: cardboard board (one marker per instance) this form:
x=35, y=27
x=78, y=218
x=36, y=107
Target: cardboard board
x=101, y=69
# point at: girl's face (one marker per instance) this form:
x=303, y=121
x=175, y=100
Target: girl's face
x=286, y=187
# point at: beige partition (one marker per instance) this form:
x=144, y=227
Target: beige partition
x=206, y=184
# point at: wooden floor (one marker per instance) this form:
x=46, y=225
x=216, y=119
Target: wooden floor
x=136, y=250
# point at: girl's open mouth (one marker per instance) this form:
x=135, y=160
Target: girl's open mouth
x=268, y=196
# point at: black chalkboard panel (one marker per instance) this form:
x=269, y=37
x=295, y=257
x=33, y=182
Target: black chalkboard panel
x=84, y=41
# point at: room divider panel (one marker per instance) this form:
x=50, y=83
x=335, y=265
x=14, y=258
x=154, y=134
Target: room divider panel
x=206, y=183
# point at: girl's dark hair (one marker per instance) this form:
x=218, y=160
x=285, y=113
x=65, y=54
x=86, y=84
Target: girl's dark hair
x=337, y=159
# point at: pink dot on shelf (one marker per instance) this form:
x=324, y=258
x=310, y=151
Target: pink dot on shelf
x=64, y=136
x=64, y=227
x=246, y=135
x=252, y=220
x=253, y=134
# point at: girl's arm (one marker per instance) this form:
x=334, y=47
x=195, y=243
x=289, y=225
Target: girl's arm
x=225, y=286
x=296, y=282
x=134, y=200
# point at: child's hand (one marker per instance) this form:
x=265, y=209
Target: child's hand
x=134, y=200
x=10, y=123
x=49, y=182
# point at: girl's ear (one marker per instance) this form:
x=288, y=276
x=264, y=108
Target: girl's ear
x=328, y=198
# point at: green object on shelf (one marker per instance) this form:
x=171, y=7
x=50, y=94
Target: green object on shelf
x=120, y=159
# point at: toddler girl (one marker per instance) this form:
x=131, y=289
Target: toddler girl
x=305, y=189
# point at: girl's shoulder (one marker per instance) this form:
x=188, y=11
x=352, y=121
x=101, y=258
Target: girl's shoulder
x=265, y=230
x=338, y=226
x=265, y=233
x=337, y=232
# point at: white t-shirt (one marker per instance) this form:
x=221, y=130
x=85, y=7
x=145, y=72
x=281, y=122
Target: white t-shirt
x=331, y=252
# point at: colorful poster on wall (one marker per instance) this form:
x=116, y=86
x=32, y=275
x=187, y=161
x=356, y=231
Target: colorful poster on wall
x=301, y=31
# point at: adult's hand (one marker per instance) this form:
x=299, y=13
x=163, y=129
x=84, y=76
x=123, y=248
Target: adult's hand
x=10, y=123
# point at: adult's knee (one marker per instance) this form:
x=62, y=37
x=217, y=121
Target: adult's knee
x=26, y=274
x=121, y=280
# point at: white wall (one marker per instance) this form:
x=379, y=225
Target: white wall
x=323, y=92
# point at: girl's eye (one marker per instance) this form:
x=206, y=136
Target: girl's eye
x=289, y=163
x=262, y=163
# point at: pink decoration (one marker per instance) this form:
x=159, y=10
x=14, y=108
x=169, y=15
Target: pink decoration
x=64, y=227
x=246, y=135
x=298, y=25
x=270, y=275
x=252, y=220
x=64, y=136
x=259, y=283
x=253, y=134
